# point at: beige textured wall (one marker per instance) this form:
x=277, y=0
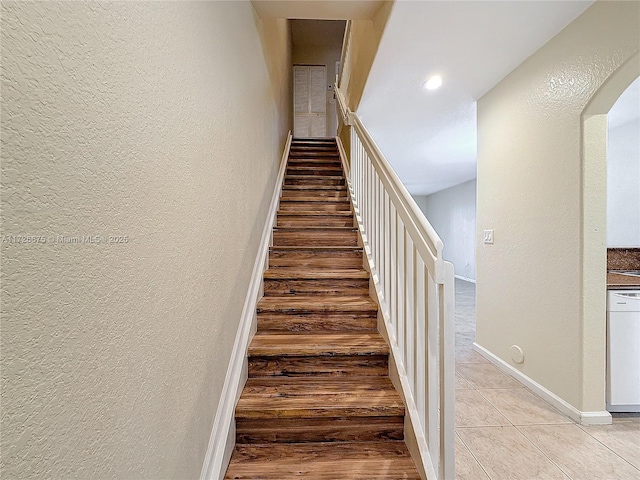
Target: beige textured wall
x=155, y=121
x=530, y=286
x=275, y=36
x=365, y=38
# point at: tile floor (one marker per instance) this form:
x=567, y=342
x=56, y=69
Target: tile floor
x=504, y=431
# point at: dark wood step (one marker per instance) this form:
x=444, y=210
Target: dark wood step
x=295, y=281
x=357, y=354
x=314, y=141
x=323, y=461
x=310, y=257
x=320, y=219
x=293, y=205
x=317, y=344
x=315, y=193
x=315, y=237
x=322, y=171
x=312, y=144
x=317, y=304
x=368, y=429
x=317, y=322
x=314, y=162
x=313, y=153
x=309, y=197
x=327, y=366
x=330, y=180
x=318, y=397
x=333, y=188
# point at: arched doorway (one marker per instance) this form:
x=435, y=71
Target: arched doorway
x=594, y=201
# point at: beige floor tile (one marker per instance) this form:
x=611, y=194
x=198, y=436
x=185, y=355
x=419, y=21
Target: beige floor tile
x=467, y=467
x=521, y=407
x=474, y=411
x=504, y=453
x=485, y=375
x=466, y=354
x=578, y=454
x=622, y=438
x=461, y=383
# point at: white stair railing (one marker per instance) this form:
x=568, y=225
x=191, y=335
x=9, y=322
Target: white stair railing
x=415, y=289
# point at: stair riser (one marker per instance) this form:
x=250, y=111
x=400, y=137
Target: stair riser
x=289, y=206
x=316, y=259
x=325, y=366
x=314, y=221
x=313, y=162
x=316, y=287
x=315, y=239
x=311, y=180
x=311, y=199
x=314, y=153
x=320, y=154
x=275, y=323
x=323, y=430
x=341, y=194
x=315, y=171
x=319, y=408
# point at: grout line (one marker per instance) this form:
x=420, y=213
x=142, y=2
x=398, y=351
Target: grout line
x=542, y=452
x=474, y=457
x=495, y=408
x=584, y=429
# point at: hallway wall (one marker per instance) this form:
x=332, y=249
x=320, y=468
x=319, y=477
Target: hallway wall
x=154, y=125
x=530, y=290
x=452, y=212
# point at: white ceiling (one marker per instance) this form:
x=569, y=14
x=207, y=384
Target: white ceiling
x=429, y=137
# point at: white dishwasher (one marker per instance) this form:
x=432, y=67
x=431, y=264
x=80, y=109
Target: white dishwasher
x=623, y=351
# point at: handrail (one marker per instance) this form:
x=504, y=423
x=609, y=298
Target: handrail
x=342, y=104
x=415, y=291
x=408, y=208
x=345, y=48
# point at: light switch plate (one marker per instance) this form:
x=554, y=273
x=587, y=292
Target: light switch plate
x=488, y=237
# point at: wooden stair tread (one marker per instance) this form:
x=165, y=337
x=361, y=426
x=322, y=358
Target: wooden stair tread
x=318, y=344
x=317, y=303
x=316, y=249
x=311, y=397
x=323, y=461
x=317, y=273
x=312, y=228
x=320, y=166
x=298, y=213
x=315, y=187
x=315, y=177
x=317, y=199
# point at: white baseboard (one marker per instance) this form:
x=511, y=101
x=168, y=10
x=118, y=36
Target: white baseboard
x=222, y=438
x=583, y=418
x=460, y=277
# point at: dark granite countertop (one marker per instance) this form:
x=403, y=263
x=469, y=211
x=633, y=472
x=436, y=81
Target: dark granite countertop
x=623, y=258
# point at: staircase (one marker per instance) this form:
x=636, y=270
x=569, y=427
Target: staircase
x=318, y=402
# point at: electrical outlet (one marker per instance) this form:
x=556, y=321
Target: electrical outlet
x=488, y=237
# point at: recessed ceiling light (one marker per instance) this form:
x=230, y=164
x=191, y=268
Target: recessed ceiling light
x=433, y=83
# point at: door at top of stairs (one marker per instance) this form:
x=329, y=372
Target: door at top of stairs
x=309, y=101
